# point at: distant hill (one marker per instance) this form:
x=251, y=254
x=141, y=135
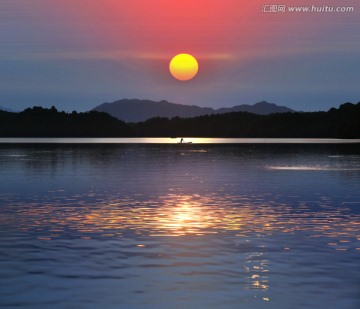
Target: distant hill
x=260, y=108
x=135, y=110
x=335, y=123
x=342, y=122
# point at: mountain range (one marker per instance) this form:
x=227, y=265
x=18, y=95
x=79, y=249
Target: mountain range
x=342, y=122
x=135, y=110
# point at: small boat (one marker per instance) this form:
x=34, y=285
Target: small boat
x=182, y=142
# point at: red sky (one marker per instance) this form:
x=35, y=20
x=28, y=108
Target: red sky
x=122, y=48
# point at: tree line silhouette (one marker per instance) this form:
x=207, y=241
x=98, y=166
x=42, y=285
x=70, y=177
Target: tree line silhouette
x=342, y=122
x=43, y=122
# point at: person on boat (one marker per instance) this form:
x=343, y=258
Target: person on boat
x=181, y=141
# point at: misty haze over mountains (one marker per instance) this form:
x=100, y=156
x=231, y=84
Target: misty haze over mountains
x=135, y=110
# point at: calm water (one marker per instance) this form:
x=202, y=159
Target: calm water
x=179, y=226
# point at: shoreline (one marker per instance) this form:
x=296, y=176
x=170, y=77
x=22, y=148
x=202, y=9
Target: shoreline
x=163, y=140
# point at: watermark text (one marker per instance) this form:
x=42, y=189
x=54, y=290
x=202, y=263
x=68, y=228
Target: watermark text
x=282, y=8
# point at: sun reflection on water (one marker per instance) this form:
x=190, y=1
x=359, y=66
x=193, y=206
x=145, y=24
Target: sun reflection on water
x=179, y=215
x=185, y=234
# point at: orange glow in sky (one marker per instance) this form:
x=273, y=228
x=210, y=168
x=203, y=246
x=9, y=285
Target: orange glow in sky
x=113, y=49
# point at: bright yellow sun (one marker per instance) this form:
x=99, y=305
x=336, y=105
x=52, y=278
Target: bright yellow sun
x=183, y=67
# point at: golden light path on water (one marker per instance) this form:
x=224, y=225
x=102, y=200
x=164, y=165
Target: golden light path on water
x=190, y=217
x=181, y=215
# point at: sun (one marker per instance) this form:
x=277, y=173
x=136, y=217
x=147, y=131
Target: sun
x=183, y=67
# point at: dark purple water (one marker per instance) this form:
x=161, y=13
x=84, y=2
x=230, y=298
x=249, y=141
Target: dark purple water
x=179, y=226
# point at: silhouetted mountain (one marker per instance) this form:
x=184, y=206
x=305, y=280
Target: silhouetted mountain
x=261, y=108
x=335, y=123
x=40, y=122
x=139, y=110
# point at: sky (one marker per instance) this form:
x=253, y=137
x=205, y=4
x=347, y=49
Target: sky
x=77, y=54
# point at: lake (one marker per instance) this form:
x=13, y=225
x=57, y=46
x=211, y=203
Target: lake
x=236, y=224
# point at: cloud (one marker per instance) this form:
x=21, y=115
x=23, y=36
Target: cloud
x=116, y=55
